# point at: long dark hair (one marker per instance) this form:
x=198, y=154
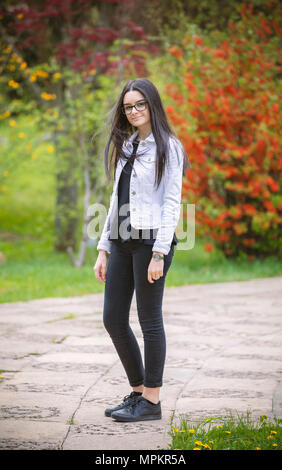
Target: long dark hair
x=121, y=129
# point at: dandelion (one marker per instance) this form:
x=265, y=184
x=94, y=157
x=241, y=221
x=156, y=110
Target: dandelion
x=196, y=448
x=50, y=149
x=5, y=173
x=263, y=417
x=206, y=446
x=274, y=445
x=33, y=155
x=270, y=437
x=21, y=135
x=191, y=431
x=219, y=426
x=257, y=448
x=227, y=432
x=198, y=443
x=273, y=432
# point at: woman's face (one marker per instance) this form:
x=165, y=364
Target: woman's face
x=140, y=119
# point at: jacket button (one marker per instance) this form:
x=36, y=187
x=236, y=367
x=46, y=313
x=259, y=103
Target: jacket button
x=133, y=192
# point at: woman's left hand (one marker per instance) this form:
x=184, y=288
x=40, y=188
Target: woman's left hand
x=155, y=270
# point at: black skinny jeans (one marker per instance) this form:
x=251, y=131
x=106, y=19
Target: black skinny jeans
x=128, y=270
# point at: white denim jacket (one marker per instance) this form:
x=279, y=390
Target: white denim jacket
x=149, y=207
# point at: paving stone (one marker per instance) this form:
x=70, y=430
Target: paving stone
x=60, y=370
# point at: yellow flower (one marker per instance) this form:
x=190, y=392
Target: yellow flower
x=196, y=448
x=92, y=71
x=273, y=432
x=33, y=155
x=13, y=84
x=21, y=135
x=219, y=426
x=257, y=448
x=211, y=442
x=50, y=148
x=270, y=437
x=42, y=73
x=56, y=75
x=48, y=96
x=198, y=443
x=263, y=416
x=29, y=147
x=19, y=15
x=32, y=78
x=191, y=431
x=227, y=432
x=4, y=188
x=6, y=114
x=23, y=66
x=274, y=445
x=5, y=173
x=12, y=67
x=206, y=446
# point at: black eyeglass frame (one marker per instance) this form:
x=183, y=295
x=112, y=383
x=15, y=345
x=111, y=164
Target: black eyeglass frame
x=145, y=102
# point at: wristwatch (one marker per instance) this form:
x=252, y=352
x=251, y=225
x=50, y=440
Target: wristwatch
x=157, y=256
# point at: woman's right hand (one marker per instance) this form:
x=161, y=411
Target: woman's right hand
x=100, y=267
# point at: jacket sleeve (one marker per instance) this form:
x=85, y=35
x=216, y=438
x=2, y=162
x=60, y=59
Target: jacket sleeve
x=104, y=242
x=171, y=205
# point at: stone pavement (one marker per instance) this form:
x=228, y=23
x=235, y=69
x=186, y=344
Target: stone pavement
x=60, y=370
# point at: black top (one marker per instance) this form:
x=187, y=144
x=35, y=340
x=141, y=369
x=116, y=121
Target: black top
x=123, y=198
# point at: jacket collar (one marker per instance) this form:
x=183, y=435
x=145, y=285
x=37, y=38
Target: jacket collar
x=150, y=137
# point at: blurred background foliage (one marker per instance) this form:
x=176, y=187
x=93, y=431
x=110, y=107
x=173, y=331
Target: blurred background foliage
x=62, y=66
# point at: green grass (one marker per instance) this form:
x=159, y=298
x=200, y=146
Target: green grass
x=33, y=270
x=239, y=432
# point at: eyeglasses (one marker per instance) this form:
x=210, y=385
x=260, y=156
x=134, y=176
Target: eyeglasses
x=140, y=106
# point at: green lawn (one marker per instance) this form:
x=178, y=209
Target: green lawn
x=232, y=433
x=33, y=270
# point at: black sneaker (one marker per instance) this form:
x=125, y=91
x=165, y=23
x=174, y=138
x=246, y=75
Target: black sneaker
x=141, y=410
x=127, y=400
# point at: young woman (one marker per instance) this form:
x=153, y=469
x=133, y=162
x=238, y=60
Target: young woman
x=149, y=162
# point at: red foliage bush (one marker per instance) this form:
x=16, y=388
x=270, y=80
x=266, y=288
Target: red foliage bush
x=226, y=108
